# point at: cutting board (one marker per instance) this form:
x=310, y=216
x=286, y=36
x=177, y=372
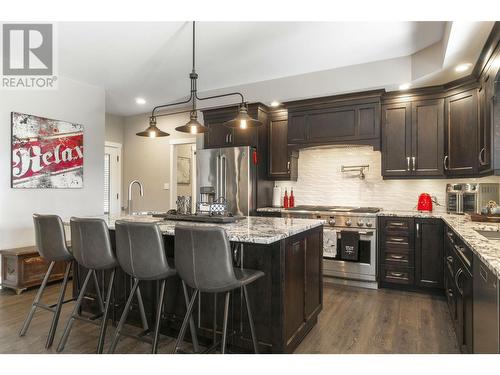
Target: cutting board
x=485, y=218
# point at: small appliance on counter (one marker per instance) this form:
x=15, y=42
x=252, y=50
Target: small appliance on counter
x=470, y=198
x=424, y=202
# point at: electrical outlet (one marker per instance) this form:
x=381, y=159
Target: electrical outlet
x=166, y=186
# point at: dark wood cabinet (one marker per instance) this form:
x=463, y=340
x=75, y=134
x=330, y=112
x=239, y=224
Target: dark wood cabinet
x=486, y=96
x=410, y=253
x=283, y=161
x=335, y=120
x=461, y=154
x=429, y=253
x=303, y=276
x=459, y=288
x=412, y=138
x=396, y=140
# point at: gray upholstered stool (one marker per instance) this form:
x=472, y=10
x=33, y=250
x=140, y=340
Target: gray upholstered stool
x=92, y=250
x=51, y=244
x=141, y=254
x=203, y=261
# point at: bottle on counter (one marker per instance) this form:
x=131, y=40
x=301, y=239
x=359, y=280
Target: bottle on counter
x=292, y=199
x=286, y=202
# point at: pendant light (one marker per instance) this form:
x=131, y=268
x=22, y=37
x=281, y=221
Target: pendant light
x=152, y=131
x=242, y=120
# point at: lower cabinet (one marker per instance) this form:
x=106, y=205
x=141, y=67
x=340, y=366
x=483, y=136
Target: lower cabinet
x=459, y=289
x=411, y=253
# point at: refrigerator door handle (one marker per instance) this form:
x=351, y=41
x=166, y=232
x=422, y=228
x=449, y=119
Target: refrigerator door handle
x=223, y=178
x=217, y=178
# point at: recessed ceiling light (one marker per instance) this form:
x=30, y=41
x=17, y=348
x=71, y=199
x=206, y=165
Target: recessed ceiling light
x=404, y=86
x=462, y=67
x=140, y=101
x=275, y=103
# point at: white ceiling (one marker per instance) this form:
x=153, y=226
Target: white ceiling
x=153, y=60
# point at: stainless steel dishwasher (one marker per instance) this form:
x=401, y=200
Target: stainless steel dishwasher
x=486, y=310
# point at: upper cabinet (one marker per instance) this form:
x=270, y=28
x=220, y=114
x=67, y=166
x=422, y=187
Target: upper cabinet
x=335, y=120
x=412, y=138
x=461, y=146
x=283, y=161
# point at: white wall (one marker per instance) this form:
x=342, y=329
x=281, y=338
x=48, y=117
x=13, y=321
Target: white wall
x=114, y=128
x=74, y=102
x=148, y=160
x=320, y=181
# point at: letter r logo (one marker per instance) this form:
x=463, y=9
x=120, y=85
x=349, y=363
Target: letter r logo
x=27, y=49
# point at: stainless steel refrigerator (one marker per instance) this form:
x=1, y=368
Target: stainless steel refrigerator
x=230, y=173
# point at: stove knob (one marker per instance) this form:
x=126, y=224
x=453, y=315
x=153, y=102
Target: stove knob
x=348, y=222
x=331, y=221
x=360, y=223
x=369, y=224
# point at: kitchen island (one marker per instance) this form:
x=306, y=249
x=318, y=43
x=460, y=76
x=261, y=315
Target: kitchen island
x=285, y=302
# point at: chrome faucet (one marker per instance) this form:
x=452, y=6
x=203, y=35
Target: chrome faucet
x=141, y=191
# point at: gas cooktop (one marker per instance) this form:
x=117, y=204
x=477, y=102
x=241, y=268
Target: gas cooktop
x=339, y=209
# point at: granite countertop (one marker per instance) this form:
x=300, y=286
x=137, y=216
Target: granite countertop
x=251, y=229
x=487, y=250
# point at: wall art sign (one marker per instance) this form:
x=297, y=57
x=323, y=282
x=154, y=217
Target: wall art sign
x=46, y=154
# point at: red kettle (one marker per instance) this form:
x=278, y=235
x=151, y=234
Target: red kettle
x=424, y=202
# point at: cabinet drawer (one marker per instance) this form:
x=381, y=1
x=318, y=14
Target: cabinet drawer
x=397, y=258
x=397, y=242
x=397, y=275
x=397, y=224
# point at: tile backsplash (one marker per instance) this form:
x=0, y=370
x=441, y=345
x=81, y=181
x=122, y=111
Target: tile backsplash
x=321, y=181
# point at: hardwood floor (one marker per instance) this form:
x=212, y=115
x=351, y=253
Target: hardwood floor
x=353, y=320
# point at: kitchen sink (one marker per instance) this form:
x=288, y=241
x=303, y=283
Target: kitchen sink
x=491, y=235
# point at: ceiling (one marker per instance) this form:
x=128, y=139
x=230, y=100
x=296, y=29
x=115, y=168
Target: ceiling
x=152, y=60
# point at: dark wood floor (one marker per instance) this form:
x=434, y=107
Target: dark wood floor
x=353, y=320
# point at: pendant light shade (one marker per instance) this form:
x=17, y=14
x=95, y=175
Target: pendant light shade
x=193, y=126
x=243, y=120
x=152, y=131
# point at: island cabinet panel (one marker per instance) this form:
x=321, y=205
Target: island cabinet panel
x=462, y=156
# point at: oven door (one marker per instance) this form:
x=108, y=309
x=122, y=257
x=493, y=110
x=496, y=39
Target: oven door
x=469, y=203
x=365, y=268
x=454, y=202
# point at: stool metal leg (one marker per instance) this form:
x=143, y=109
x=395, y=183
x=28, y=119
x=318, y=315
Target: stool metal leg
x=189, y=312
x=38, y=296
x=123, y=318
x=58, y=307
x=159, y=309
x=145, y=324
x=250, y=321
x=192, y=326
x=214, y=335
x=76, y=308
x=104, y=322
x=224, y=327
x=98, y=291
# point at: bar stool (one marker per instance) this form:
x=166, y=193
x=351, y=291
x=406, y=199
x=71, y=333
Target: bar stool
x=141, y=254
x=92, y=250
x=203, y=261
x=51, y=243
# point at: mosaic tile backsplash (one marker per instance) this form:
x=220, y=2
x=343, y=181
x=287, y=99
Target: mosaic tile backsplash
x=321, y=181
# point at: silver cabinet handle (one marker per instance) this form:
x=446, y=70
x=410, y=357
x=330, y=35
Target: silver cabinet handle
x=395, y=239
x=227, y=138
x=394, y=256
x=408, y=163
x=444, y=163
x=413, y=159
x=417, y=229
x=457, y=275
x=288, y=166
x=481, y=155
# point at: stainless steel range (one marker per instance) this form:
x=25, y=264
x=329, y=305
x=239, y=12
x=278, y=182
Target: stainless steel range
x=349, y=242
